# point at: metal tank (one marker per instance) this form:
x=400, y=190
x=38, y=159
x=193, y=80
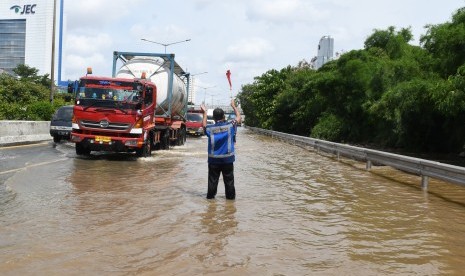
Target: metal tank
x=158, y=72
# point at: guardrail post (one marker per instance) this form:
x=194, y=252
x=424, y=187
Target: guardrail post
x=424, y=182
x=368, y=165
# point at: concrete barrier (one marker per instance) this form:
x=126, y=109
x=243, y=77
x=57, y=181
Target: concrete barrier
x=22, y=132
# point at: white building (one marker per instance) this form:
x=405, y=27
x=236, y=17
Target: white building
x=26, y=33
x=192, y=90
x=325, y=52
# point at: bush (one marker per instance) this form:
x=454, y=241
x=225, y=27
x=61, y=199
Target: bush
x=12, y=111
x=329, y=127
x=27, y=96
x=40, y=111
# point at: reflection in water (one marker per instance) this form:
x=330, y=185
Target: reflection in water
x=296, y=213
x=219, y=223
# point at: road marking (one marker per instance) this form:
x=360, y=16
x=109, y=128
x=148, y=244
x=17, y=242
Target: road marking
x=33, y=165
x=25, y=145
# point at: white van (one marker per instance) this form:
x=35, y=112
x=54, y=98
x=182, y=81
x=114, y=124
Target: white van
x=210, y=117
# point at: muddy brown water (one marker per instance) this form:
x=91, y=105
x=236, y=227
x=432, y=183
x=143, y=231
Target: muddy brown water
x=296, y=213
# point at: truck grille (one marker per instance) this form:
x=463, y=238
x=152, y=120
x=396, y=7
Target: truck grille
x=105, y=125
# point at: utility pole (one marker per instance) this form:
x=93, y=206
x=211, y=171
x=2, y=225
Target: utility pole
x=52, y=73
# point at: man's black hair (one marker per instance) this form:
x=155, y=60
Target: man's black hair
x=218, y=114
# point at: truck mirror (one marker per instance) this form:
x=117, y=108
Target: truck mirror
x=70, y=87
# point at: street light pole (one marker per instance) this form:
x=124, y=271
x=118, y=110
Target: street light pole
x=205, y=92
x=191, y=84
x=196, y=74
x=165, y=44
x=52, y=69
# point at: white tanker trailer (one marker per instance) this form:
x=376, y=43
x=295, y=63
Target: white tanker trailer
x=158, y=71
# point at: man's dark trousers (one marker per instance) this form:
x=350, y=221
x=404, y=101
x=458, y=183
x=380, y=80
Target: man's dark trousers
x=214, y=171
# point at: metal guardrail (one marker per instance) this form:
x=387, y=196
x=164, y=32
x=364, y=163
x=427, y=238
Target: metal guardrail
x=416, y=166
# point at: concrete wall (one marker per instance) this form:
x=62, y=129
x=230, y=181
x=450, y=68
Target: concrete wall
x=21, y=132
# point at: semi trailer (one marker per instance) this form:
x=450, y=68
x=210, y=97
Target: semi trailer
x=141, y=107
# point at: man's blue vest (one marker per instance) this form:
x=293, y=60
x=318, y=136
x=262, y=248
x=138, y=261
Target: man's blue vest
x=220, y=143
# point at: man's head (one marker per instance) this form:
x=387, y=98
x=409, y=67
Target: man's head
x=218, y=114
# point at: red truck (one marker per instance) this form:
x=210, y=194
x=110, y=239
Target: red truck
x=194, y=122
x=129, y=113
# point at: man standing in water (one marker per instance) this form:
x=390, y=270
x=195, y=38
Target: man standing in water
x=221, y=150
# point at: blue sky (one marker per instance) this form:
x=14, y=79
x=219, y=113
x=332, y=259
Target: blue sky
x=248, y=37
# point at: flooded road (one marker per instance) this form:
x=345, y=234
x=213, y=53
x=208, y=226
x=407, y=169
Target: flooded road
x=295, y=213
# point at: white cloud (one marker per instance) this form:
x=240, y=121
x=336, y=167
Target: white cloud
x=98, y=13
x=88, y=44
x=77, y=64
x=201, y=4
x=284, y=11
x=84, y=51
x=251, y=49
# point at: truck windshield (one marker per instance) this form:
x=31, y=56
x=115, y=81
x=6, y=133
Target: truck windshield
x=108, y=97
x=194, y=117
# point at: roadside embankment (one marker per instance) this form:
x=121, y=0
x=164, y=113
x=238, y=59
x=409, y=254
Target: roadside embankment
x=21, y=132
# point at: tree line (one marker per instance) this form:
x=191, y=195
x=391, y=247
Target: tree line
x=390, y=94
x=26, y=95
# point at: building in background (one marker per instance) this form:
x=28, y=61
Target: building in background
x=325, y=52
x=26, y=34
x=192, y=92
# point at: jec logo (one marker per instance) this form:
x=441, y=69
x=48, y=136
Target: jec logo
x=26, y=9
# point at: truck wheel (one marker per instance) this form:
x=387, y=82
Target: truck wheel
x=184, y=136
x=178, y=138
x=165, y=140
x=81, y=150
x=145, y=151
x=57, y=138
x=181, y=137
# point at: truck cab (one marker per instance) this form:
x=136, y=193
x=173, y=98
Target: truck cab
x=112, y=114
x=194, y=125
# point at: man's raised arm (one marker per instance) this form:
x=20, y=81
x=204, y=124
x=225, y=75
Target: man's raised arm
x=236, y=111
x=204, y=112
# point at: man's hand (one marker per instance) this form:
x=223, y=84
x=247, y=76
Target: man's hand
x=203, y=108
x=236, y=111
x=233, y=104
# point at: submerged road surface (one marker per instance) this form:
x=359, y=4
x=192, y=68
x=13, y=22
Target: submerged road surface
x=296, y=213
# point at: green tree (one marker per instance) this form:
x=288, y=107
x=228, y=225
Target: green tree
x=344, y=88
x=392, y=42
x=329, y=127
x=295, y=105
x=26, y=97
x=25, y=72
x=390, y=93
x=446, y=43
x=248, y=106
x=261, y=97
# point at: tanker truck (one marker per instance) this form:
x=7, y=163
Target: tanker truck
x=140, y=108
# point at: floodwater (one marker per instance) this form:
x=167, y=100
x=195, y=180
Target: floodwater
x=295, y=213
